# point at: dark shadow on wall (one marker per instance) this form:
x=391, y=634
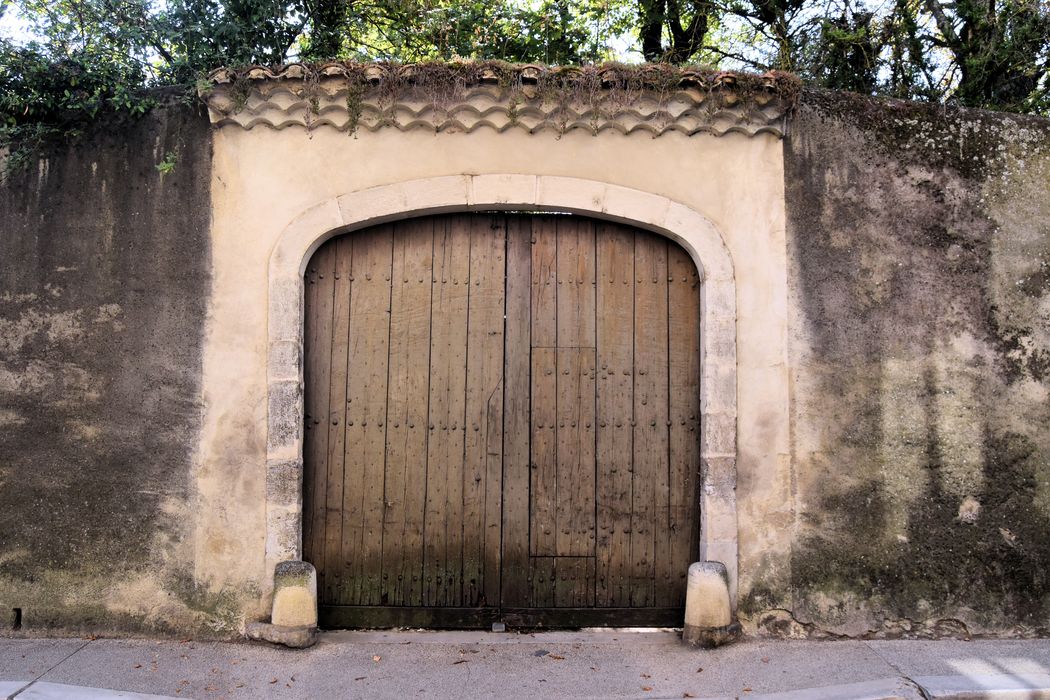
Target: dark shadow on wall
x=892, y=260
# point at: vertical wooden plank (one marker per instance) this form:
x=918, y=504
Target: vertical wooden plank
x=659, y=422
x=366, y=411
x=543, y=507
x=516, y=423
x=443, y=521
x=615, y=388
x=575, y=288
x=544, y=455
x=649, y=507
x=406, y=436
x=544, y=275
x=575, y=452
x=575, y=387
x=683, y=297
x=483, y=419
x=574, y=587
x=317, y=333
x=335, y=417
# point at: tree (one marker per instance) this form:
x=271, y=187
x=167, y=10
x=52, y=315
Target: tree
x=673, y=31
x=87, y=56
x=998, y=48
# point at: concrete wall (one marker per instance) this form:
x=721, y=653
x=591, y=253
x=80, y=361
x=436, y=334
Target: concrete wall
x=919, y=246
x=104, y=288
x=893, y=356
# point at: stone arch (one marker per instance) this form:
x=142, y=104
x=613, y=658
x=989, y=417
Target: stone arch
x=360, y=209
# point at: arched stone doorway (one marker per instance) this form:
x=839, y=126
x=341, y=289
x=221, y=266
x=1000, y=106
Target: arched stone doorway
x=717, y=537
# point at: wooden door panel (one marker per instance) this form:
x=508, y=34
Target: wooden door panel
x=366, y=405
x=503, y=416
x=517, y=472
x=443, y=525
x=543, y=454
x=483, y=421
x=615, y=414
x=683, y=305
x=406, y=435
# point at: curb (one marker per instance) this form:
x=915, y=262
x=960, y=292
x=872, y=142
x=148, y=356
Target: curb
x=882, y=689
x=28, y=690
x=997, y=686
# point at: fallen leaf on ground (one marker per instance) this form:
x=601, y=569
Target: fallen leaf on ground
x=647, y=688
x=461, y=661
x=747, y=690
x=699, y=669
x=646, y=675
x=765, y=659
x=557, y=658
x=377, y=657
x=137, y=666
x=273, y=681
x=688, y=695
x=541, y=652
x=360, y=678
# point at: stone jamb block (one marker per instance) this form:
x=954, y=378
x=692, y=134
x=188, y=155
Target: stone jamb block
x=285, y=359
x=284, y=482
x=284, y=532
x=285, y=405
x=718, y=435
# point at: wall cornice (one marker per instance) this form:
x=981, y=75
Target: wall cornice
x=350, y=97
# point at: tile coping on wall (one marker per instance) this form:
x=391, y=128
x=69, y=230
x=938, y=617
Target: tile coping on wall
x=694, y=102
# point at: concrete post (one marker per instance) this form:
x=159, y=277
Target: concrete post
x=708, y=611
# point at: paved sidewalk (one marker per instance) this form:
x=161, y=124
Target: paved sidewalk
x=599, y=664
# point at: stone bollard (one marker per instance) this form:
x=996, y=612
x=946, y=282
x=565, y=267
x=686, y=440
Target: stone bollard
x=293, y=618
x=294, y=595
x=708, y=612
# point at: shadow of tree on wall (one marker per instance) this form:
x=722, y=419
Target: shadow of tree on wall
x=995, y=566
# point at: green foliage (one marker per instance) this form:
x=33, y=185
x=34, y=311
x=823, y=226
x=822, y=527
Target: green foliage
x=86, y=58
x=168, y=164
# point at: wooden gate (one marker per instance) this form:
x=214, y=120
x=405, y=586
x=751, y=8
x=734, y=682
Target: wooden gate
x=502, y=423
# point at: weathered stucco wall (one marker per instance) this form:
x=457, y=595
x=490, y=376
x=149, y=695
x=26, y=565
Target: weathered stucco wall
x=893, y=345
x=104, y=286
x=919, y=246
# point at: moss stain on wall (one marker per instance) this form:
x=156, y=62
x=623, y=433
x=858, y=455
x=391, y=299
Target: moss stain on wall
x=919, y=240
